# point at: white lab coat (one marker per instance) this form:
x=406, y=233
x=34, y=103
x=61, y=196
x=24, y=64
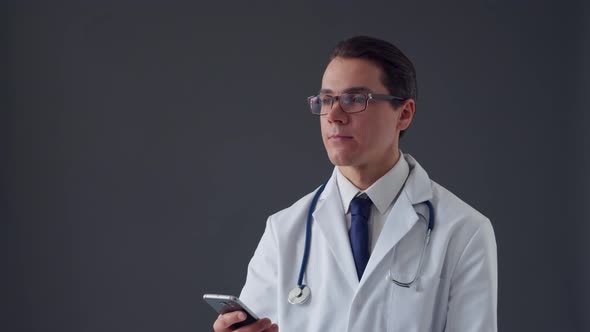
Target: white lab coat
x=456, y=291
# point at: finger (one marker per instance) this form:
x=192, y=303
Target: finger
x=226, y=320
x=272, y=328
x=219, y=325
x=259, y=326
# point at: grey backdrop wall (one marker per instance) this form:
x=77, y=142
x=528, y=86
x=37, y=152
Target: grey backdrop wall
x=144, y=145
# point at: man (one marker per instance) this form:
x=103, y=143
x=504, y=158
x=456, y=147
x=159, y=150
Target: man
x=389, y=249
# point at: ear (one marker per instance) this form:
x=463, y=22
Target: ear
x=407, y=110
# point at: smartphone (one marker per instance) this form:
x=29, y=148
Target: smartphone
x=228, y=303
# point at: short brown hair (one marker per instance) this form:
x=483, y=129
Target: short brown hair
x=399, y=74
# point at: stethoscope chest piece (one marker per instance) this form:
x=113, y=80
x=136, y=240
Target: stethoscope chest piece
x=299, y=294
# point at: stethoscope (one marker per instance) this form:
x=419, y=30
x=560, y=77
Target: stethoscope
x=301, y=293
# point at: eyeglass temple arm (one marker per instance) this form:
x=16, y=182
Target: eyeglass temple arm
x=384, y=97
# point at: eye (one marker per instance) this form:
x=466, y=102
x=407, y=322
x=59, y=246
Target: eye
x=358, y=98
x=350, y=99
x=326, y=100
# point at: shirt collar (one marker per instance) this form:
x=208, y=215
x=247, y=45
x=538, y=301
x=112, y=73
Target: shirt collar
x=382, y=192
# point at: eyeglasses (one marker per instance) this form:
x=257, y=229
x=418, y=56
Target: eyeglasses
x=349, y=102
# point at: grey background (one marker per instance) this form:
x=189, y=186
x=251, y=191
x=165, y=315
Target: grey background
x=144, y=144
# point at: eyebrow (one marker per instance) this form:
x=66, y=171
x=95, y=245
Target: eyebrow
x=348, y=90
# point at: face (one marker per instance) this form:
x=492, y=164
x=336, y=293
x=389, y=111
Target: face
x=367, y=139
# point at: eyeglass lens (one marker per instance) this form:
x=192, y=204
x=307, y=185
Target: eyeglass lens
x=349, y=102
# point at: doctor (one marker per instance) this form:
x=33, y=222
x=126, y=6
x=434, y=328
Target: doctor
x=388, y=249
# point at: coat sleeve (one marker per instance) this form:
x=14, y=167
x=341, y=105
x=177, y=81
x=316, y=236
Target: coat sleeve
x=473, y=294
x=260, y=290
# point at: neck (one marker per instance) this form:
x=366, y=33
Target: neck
x=363, y=176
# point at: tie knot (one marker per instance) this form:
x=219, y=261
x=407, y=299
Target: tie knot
x=361, y=206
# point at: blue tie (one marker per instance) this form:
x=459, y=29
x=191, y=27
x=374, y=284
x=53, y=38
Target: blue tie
x=360, y=209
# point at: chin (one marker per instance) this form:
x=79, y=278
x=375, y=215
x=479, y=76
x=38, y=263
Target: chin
x=341, y=160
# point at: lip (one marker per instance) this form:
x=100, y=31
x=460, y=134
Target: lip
x=339, y=137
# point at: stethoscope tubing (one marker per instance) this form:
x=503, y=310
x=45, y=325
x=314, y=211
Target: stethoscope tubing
x=426, y=241
x=308, y=233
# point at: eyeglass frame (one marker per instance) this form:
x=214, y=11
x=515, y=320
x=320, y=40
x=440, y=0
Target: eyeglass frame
x=369, y=96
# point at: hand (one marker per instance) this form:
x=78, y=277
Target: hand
x=223, y=323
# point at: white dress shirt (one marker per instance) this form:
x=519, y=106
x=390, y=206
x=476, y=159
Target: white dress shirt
x=382, y=193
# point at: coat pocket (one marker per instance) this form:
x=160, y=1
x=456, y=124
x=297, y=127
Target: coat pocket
x=420, y=307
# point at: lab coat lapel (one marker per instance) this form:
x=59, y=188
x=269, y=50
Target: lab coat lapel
x=400, y=220
x=402, y=216
x=329, y=217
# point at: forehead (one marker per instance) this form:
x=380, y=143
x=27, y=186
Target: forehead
x=344, y=73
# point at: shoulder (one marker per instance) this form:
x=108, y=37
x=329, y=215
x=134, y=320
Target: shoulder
x=451, y=209
x=458, y=221
x=461, y=226
x=300, y=205
x=286, y=219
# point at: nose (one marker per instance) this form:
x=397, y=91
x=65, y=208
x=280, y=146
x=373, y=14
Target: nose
x=336, y=114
